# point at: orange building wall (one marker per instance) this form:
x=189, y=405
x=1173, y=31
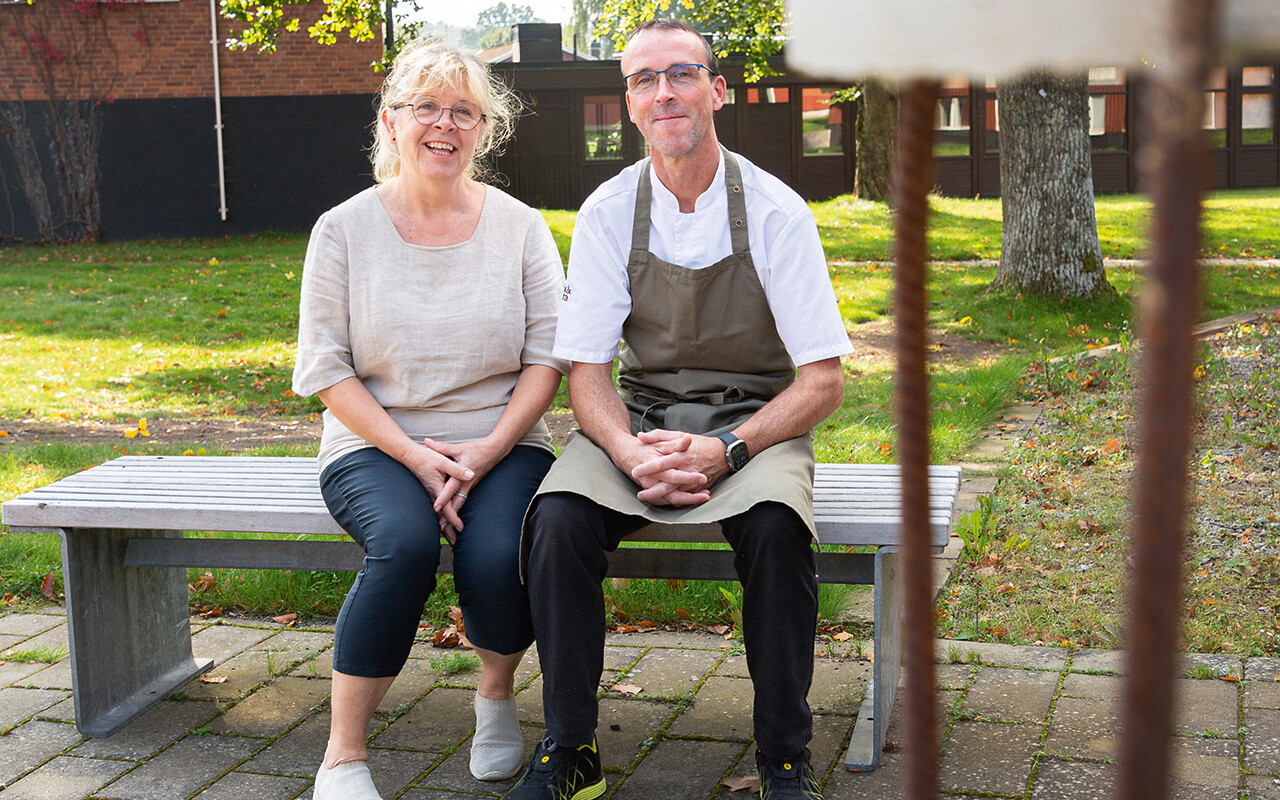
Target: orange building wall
x=163, y=51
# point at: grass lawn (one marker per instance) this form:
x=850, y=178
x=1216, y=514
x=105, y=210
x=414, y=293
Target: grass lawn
x=207, y=328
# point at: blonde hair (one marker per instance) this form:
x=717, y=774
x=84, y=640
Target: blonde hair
x=432, y=65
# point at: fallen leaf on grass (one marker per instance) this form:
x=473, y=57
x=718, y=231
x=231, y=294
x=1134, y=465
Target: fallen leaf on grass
x=213, y=679
x=204, y=583
x=285, y=619
x=738, y=783
x=627, y=688
x=719, y=630
x=843, y=636
x=47, y=589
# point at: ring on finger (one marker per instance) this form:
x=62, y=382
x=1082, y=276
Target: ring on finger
x=460, y=494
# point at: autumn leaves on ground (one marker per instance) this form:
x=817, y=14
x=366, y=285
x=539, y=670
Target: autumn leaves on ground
x=187, y=345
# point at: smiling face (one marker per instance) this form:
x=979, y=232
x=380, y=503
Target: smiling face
x=676, y=122
x=440, y=151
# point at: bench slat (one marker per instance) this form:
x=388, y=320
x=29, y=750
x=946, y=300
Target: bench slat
x=854, y=504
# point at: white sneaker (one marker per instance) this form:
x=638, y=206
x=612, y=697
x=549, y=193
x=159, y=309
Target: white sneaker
x=349, y=780
x=497, y=752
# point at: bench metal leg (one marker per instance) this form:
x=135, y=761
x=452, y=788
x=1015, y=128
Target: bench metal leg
x=864, y=750
x=129, y=629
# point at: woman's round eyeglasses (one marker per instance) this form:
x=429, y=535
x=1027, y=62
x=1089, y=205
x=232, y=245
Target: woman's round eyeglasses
x=678, y=75
x=428, y=112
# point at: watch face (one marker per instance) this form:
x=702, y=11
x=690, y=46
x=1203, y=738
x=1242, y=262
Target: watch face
x=738, y=455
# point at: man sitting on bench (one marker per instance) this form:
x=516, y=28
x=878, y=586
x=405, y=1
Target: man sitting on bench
x=712, y=272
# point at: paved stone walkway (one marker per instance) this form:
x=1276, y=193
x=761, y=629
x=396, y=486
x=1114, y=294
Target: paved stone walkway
x=1018, y=722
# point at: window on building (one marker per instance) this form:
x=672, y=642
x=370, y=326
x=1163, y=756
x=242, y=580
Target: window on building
x=952, y=118
x=1258, y=106
x=1215, y=107
x=823, y=121
x=769, y=94
x=991, y=131
x=602, y=126
x=1108, y=106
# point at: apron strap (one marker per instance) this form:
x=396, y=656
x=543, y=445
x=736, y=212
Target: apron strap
x=640, y=221
x=737, y=203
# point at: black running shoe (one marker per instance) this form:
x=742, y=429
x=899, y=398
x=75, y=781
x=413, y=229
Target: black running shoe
x=560, y=773
x=788, y=779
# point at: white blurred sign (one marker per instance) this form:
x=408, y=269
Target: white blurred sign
x=900, y=39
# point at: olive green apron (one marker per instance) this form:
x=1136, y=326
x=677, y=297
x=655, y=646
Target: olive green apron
x=700, y=354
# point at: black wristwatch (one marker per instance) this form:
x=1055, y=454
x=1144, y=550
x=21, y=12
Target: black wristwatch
x=735, y=451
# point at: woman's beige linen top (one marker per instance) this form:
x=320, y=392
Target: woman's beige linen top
x=438, y=335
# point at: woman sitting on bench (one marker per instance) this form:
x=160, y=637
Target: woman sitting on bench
x=427, y=318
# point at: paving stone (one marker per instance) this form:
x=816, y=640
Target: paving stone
x=393, y=770
x=1263, y=669
x=299, y=751
x=66, y=778
x=1206, y=706
x=319, y=667
x=272, y=709
x=1109, y=662
x=985, y=757
x=722, y=708
x=183, y=768
x=224, y=642
x=145, y=735
x=18, y=673
x=1096, y=687
x=434, y=794
x=839, y=686
x=1258, y=694
x=1074, y=780
x=415, y=680
x=453, y=772
x=621, y=657
x=54, y=638
x=1084, y=729
x=690, y=640
x=29, y=745
x=671, y=674
x=28, y=625
x=7, y=641
x=1262, y=787
x=268, y=658
x=1262, y=740
x=17, y=705
x=636, y=720
x=64, y=710
x=529, y=701
x=680, y=768
x=243, y=786
x=1011, y=695
x=53, y=676
x=439, y=721
x=734, y=665
x=1205, y=769
x=884, y=782
x=953, y=676
x=1192, y=665
x=1004, y=655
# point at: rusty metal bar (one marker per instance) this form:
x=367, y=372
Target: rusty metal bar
x=912, y=179
x=1175, y=172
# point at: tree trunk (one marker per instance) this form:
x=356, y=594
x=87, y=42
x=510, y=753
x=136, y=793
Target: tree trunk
x=1050, y=236
x=877, y=124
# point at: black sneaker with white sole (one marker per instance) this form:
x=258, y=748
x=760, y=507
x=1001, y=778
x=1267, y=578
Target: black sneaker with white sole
x=560, y=773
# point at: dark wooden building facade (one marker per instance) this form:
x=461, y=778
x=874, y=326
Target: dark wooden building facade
x=577, y=133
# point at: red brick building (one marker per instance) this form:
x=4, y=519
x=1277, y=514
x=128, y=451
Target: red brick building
x=293, y=123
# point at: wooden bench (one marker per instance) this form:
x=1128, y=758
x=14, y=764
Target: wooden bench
x=122, y=525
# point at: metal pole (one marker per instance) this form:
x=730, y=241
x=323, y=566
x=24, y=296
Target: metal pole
x=217, y=110
x=912, y=179
x=1175, y=171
